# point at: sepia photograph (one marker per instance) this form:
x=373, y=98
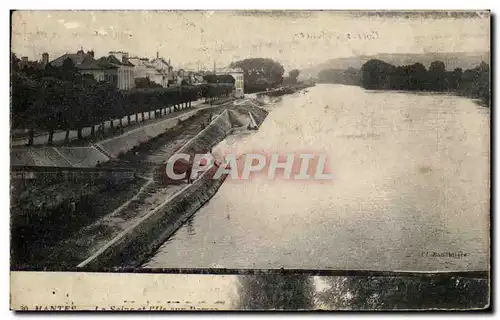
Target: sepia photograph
x=250, y=160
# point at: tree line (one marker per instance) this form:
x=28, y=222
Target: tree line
x=49, y=99
x=222, y=78
x=377, y=74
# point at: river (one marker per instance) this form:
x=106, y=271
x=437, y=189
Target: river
x=411, y=181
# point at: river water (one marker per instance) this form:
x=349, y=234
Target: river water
x=411, y=180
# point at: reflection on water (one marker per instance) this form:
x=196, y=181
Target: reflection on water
x=411, y=177
x=302, y=292
x=282, y=292
x=410, y=292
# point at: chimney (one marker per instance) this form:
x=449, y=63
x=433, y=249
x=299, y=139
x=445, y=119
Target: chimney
x=24, y=59
x=124, y=57
x=45, y=58
x=157, y=54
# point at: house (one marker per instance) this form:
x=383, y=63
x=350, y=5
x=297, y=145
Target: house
x=164, y=67
x=237, y=74
x=124, y=68
x=143, y=68
x=190, y=77
x=157, y=70
x=110, y=71
x=84, y=63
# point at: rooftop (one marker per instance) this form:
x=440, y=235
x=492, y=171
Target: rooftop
x=114, y=61
x=163, y=61
x=81, y=61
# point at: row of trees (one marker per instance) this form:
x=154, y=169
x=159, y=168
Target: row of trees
x=377, y=74
x=223, y=78
x=61, y=99
x=146, y=83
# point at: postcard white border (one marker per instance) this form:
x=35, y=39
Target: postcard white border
x=194, y=4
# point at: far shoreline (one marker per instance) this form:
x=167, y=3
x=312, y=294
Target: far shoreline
x=476, y=100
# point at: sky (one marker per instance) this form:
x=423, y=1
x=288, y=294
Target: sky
x=197, y=39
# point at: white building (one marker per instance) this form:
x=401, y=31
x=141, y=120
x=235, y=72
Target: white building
x=157, y=70
x=237, y=74
x=164, y=67
x=125, y=69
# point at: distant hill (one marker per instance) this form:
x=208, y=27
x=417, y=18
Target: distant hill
x=452, y=60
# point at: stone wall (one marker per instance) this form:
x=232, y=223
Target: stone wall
x=133, y=246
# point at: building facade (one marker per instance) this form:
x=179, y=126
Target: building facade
x=239, y=84
x=157, y=70
x=110, y=71
x=164, y=67
x=125, y=69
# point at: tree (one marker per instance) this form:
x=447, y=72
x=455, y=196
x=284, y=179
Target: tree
x=68, y=70
x=455, y=78
x=259, y=69
x=14, y=62
x=484, y=83
x=294, y=74
x=417, y=76
x=224, y=78
x=410, y=77
x=375, y=74
x=146, y=83
x=437, y=76
x=437, y=67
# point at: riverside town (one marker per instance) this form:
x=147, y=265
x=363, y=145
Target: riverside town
x=250, y=160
